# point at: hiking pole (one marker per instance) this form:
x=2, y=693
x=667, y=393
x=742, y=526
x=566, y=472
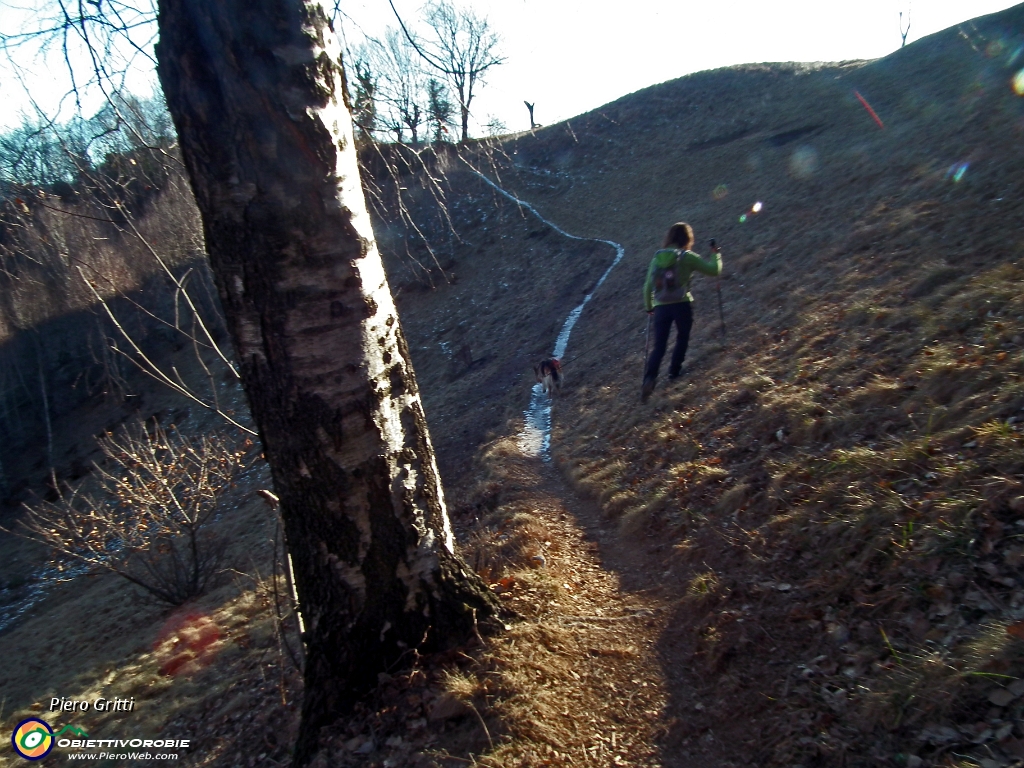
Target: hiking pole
x=718, y=288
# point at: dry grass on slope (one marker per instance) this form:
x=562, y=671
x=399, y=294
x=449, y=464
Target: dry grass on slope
x=572, y=680
x=837, y=488
x=851, y=484
x=830, y=502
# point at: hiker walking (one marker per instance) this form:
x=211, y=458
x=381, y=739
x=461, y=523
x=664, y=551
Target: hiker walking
x=667, y=298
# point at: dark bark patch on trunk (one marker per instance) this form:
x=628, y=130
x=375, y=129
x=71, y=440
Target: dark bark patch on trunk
x=397, y=378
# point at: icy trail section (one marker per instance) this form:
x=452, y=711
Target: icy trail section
x=535, y=439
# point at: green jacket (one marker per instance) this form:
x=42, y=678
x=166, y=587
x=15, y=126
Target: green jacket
x=687, y=262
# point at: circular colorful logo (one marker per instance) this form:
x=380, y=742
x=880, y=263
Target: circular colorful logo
x=32, y=739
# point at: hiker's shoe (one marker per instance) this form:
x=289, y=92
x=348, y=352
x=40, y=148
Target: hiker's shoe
x=648, y=387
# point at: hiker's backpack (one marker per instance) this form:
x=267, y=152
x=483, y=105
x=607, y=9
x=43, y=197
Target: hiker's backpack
x=668, y=284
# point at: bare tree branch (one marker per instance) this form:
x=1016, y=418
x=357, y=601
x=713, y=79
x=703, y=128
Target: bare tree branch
x=146, y=520
x=463, y=48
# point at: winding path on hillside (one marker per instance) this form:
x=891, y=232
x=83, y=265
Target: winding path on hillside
x=535, y=439
x=604, y=697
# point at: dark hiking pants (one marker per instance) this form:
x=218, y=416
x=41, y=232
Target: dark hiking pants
x=664, y=316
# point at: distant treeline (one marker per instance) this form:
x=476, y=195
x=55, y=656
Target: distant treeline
x=88, y=211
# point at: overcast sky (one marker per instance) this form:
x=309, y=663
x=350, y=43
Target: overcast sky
x=568, y=56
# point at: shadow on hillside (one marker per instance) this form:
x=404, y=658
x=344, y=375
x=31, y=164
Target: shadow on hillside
x=62, y=379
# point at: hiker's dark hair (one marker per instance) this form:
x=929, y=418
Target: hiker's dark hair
x=679, y=236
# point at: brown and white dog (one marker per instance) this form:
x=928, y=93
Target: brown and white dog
x=549, y=374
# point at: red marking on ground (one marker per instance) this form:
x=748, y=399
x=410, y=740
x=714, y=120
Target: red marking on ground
x=871, y=112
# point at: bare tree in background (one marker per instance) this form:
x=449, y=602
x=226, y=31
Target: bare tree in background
x=904, y=32
x=112, y=38
x=100, y=243
x=364, y=102
x=440, y=109
x=257, y=93
x=401, y=93
x=463, y=46
x=495, y=126
x=529, y=106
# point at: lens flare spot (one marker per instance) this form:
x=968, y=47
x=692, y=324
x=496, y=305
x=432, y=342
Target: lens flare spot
x=1018, y=83
x=956, y=171
x=995, y=49
x=186, y=643
x=720, y=192
x=1015, y=55
x=743, y=218
x=756, y=207
x=868, y=108
x=804, y=162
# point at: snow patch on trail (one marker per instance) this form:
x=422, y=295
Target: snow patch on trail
x=36, y=588
x=535, y=439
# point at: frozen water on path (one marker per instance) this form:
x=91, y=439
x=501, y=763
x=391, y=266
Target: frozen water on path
x=535, y=439
x=35, y=589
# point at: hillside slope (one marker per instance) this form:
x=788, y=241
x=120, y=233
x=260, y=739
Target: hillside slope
x=832, y=494
x=807, y=552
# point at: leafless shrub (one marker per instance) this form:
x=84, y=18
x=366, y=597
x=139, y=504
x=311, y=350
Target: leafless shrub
x=147, y=518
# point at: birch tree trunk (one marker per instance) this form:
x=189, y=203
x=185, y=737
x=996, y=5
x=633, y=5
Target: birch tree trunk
x=257, y=93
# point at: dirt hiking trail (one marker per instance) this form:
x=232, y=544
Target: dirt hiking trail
x=582, y=675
